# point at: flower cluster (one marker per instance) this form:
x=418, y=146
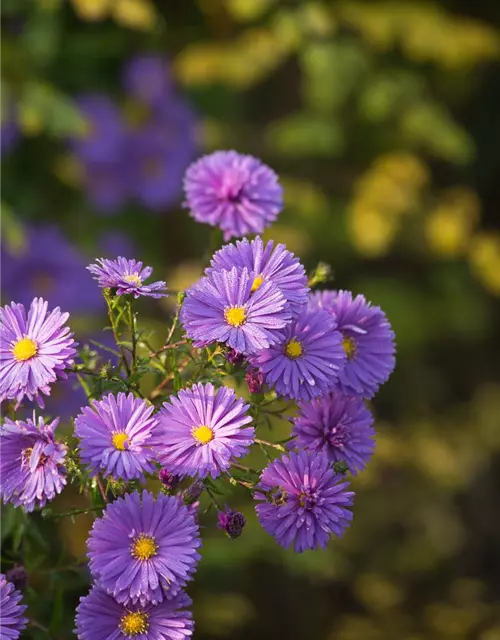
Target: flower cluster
x=251, y=316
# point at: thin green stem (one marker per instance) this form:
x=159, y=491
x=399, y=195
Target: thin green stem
x=274, y=445
x=134, y=335
x=84, y=385
x=114, y=327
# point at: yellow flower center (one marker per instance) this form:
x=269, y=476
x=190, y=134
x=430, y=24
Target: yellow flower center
x=256, y=283
x=133, y=278
x=235, y=316
x=350, y=347
x=134, y=623
x=293, y=349
x=203, y=434
x=144, y=547
x=119, y=440
x=24, y=349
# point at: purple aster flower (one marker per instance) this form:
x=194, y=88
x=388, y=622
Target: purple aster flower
x=35, y=348
x=231, y=522
x=303, y=501
x=306, y=362
x=201, y=431
x=100, y=617
x=368, y=341
x=115, y=436
x=127, y=277
x=275, y=264
x=108, y=184
x=31, y=463
x=105, y=136
x=221, y=307
x=144, y=550
x=338, y=425
x=12, y=621
x=235, y=192
x=48, y=265
x=147, y=77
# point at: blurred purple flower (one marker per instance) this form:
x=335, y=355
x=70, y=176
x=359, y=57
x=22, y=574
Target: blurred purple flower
x=147, y=77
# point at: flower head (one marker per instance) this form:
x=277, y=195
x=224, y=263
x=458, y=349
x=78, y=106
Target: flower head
x=12, y=621
x=275, y=264
x=127, y=277
x=100, y=617
x=115, y=436
x=231, y=522
x=142, y=549
x=32, y=468
x=338, y=425
x=312, y=505
x=237, y=193
x=305, y=363
x=35, y=348
x=202, y=430
x=223, y=308
x=368, y=340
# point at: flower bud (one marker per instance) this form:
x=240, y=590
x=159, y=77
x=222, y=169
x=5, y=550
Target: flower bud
x=254, y=379
x=231, y=522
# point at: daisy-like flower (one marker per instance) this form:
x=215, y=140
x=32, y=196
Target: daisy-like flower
x=12, y=621
x=100, y=617
x=144, y=550
x=222, y=307
x=32, y=469
x=35, y=349
x=127, y=277
x=115, y=436
x=276, y=264
x=338, y=425
x=303, y=501
x=235, y=192
x=202, y=431
x=368, y=340
x=307, y=360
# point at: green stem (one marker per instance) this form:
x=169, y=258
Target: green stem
x=134, y=335
x=274, y=445
x=84, y=385
x=114, y=327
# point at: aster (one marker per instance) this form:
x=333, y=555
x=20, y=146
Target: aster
x=144, y=549
x=12, y=621
x=338, y=425
x=275, y=264
x=222, y=307
x=303, y=501
x=235, y=192
x=306, y=361
x=368, y=340
x=31, y=462
x=35, y=349
x=115, y=436
x=202, y=430
x=127, y=277
x=100, y=617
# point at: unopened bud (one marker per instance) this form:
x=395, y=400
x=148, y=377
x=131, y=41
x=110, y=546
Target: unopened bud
x=231, y=522
x=255, y=380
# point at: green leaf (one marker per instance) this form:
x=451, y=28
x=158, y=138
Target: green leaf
x=304, y=134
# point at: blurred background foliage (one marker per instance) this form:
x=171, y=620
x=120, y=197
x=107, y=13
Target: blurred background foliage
x=383, y=122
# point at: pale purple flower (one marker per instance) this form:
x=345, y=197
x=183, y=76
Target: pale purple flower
x=127, y=277
x=222, y=307
x=202, y=430
x=35, y=349
x=12, y=621
x=32, y=470
x=235, y=192
x=303, y=501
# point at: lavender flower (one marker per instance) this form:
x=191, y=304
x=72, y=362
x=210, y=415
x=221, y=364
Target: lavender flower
x=338, y=425
x=368, y=341
x=127, y=277
x=100, y=617
x=231, y=522
x=12, y=621
x=234, y=192
x=115, y=436
x=200, y=431
x=32, y=468
x=275, y=264
x=35, y=349
x=306, y=362
x=144, y=550
x=222, y=308
x=312, y=503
